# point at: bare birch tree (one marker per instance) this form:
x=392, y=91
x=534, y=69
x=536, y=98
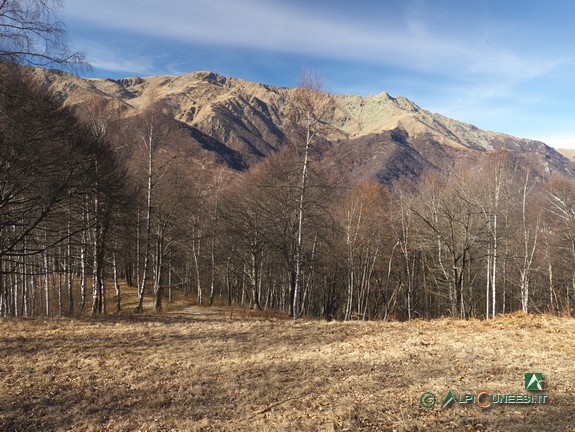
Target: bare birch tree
x=153, y=131
x=32, y=33
x=311, y=114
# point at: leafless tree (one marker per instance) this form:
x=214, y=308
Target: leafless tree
x=153, y=129
x=50, y=165
x=312, y=111
x=32, y=33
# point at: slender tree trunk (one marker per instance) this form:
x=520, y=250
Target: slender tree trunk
x=300, y=227
x=95, y=286
x=213, y=246
x=494, y=266
x=138, y=249
x=2, y=296
x=196, y=254
x=116, y=283
x=16, y=287
x=96, y=289
x=158, y=289
x=494, y=231
x=170, y=295
x=83, y=283
x=228, y=275
x=243, y=284
x=69, y=270
x=488, y=285
x=255, y=280
x=25, y=287
x=46, y=282
x=33, y=296
x=528, y=250
x=60, y=302
x=150, y=187
x=84, y=260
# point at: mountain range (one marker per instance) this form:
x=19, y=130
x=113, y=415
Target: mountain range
x=238, y=123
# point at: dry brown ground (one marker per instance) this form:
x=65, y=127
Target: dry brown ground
x=226, y=372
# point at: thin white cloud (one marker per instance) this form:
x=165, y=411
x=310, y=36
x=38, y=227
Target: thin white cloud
x=108, y=58
x=404, y=42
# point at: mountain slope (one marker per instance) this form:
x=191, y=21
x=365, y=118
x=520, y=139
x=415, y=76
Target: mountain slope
x=240, y=122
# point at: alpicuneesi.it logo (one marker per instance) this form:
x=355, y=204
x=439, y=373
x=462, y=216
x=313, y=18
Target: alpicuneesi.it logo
x=534, y=382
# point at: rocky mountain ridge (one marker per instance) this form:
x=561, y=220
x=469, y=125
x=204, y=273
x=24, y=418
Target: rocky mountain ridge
x=240, y=122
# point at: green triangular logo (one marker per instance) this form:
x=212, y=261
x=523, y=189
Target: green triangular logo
x=534, y=381
x=448, y=399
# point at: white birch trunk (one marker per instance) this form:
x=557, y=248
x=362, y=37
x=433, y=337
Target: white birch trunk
x=149, y=203
x=46, y=284
x=116, y=283
x=299, y=244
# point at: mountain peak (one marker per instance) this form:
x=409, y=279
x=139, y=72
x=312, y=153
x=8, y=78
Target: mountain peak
x=129, y=82
x=210, y=77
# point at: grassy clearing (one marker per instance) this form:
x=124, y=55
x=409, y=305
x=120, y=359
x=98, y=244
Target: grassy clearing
x=249, y=373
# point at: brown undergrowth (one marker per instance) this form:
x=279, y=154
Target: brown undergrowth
x=250, y=373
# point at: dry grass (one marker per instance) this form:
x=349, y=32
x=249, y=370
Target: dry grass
x=213, y=372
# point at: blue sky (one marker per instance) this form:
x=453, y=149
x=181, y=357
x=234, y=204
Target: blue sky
x=502, y=65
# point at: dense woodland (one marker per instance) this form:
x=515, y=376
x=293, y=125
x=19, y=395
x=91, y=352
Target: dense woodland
x=91, y=201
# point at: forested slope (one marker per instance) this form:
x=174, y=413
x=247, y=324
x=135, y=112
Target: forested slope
x=244, y=193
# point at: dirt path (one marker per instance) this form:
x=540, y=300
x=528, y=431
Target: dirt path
x=205, y=313
x=219, y=313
